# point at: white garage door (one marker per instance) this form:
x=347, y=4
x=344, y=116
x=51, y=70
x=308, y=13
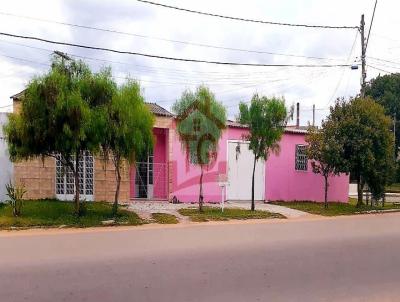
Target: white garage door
x=240, y=169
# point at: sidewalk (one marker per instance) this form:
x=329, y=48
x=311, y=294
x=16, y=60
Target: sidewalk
x=260, y=205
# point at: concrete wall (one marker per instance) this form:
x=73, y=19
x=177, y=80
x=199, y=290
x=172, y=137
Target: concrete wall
x=6, y=167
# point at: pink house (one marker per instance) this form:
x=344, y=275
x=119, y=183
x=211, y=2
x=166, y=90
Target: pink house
x=166, y=173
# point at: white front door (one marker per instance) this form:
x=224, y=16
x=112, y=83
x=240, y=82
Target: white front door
x=240, y=171
x=65, y=183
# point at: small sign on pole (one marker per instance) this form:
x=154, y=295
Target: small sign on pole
x=222, y=182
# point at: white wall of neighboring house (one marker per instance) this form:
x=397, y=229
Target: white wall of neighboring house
x=6, y=167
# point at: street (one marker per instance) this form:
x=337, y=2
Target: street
x=325, y=259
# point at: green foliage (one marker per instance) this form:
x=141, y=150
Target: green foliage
x=266, y=119
x=15, y=194
x=60, y=114
x=128, y=129
x=324, y=153
x=385, y=90
x=362, y=133
x=200, y=122
x=335, y=208
x=54, y=213
x=215, y=214
x=164, y=218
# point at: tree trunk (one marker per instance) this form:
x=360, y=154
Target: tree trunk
x=253, y=206
x=201, y=197
x=326, y=191
x=360, y=186
x=118, y=178
x=77, y=185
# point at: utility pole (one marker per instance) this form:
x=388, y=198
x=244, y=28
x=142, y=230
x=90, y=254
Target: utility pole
x=363, y=63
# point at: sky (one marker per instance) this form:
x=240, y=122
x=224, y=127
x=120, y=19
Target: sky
x=151, y=28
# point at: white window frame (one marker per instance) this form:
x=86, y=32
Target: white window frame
x=68, y=194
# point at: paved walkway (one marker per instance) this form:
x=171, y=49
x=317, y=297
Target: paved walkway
x=289, y=213
x=145, y=208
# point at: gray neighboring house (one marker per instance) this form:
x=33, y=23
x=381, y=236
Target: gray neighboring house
x=6, y=166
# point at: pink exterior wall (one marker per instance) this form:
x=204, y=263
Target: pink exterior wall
x=283, y=182
x=185, y=184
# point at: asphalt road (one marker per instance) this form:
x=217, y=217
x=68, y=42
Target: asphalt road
x=341, y=259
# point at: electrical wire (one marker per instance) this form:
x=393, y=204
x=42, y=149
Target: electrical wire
x=370, y=26
x=166, y=40
x=245, y=19
x=169, y=58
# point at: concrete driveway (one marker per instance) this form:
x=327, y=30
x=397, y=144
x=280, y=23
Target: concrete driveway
x=353, y=258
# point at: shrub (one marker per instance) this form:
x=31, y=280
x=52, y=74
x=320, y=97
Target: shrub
x=15, y=194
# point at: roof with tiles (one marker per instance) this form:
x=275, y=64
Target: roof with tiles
x=158, y=110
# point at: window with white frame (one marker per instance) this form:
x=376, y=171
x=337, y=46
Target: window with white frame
x=65, y=183
x=301, y=161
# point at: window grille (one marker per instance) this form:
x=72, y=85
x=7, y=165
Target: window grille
x=301, y=161
x=65, y=184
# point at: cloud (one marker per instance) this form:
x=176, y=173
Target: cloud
x=164, y=81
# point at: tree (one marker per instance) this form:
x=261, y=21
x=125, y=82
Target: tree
x=266, y=119
x=324, y=153
x=60, y=115
x=362, y=132
x=128, y=130
x=200, y=122
x=385, y=90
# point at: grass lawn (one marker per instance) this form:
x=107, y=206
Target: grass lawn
x=215, y=214
x=334, y=208
x=164, y=218
x=54, y=213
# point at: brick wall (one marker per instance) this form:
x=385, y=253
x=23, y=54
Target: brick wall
x=39, y=179
x=105, y=182
x=38, y=176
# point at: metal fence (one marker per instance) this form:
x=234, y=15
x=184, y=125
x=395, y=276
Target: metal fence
x=151, y=180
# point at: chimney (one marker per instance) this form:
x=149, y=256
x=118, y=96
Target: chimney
x=313, y=115
x=297, y=115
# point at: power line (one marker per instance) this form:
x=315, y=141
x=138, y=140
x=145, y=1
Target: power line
x=169, y=58
x=370, y=26
x=246, y=19
x=213, y=80
x=379, y=69
x=163, y=83
x=2, y=107
x=342, y=73
x=384, y=60
x=167, y=40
